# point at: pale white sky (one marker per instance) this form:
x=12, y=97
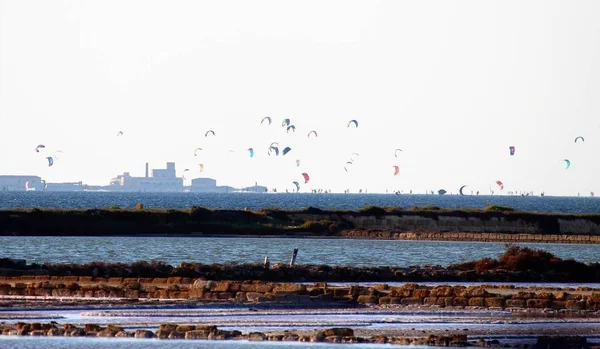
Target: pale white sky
x=452, y=83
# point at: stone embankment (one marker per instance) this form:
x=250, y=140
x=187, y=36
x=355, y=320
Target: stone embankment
x=480, y=236
x=490, y=224
x=466, y=226
x=303, y=295
x=469, y=222
x=332, y=335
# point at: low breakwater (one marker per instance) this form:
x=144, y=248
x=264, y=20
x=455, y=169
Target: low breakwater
x=191, y=332
x=430, y=223
x=332, y=335
x=462, y=236
x=302, y=295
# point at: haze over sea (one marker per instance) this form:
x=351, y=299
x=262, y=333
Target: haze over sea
x=84, y=200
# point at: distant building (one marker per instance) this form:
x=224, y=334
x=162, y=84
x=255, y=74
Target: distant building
x=88, y=187
x=204, y=185
x=69, y=186
x=256, y=189
x=169, y=172
x=209, y=185
x=20, y=183
x=162, y=180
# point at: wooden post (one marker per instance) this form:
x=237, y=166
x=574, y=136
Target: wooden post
x=266, y=263
x=294, y=257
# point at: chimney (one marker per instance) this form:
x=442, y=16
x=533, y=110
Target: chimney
x=146, y=170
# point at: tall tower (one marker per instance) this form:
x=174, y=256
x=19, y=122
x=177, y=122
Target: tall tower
x=146, y=170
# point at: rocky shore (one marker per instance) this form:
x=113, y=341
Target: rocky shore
x=332, y=335
x=248, y=302
x=493, y=223
x=582, y=300
x=253, y=294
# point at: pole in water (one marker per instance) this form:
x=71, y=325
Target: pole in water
x=266, y=262
x=294, y=257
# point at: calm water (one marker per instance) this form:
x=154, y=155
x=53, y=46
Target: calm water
x=288, y=201
x=174, y=250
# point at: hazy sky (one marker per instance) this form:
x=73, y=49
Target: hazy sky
x=451, y=83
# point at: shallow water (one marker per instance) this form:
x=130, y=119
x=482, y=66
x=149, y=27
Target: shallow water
x=118, y=343
x=243, y=319
x=110, y=343
x=351, y=252
x=290, y=201
x=248, y=320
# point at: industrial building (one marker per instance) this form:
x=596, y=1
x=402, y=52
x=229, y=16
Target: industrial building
x=206, y=185
x=157, y=180
x=161, y=180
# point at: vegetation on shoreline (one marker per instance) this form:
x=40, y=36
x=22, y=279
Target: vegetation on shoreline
x=517, y=259
x=269, y=221
x=273, y=211
x=516, y=264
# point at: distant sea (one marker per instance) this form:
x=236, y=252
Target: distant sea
x=42, y=199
